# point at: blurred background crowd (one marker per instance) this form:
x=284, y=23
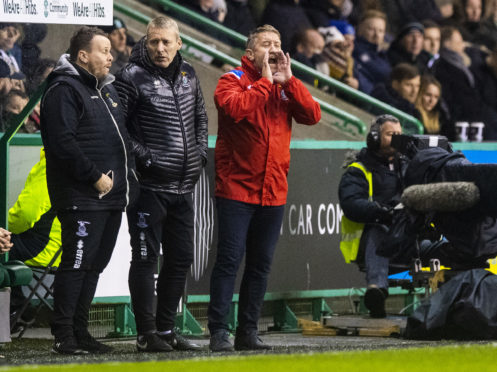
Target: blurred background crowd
x=433, y=59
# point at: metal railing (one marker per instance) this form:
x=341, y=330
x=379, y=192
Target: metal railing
x=348, y=119
x=410, y=123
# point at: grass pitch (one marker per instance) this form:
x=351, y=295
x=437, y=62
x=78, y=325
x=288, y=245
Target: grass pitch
x=465, y=357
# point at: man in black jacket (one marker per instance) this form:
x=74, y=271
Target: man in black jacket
x=368, y=190
x=89, y=172
x=166, y=118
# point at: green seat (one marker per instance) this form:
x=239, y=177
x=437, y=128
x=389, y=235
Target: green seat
x=18, y=273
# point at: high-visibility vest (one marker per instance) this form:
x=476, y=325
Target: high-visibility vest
x=351, y=231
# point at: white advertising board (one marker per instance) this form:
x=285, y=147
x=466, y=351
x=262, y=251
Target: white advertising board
x=85, y=12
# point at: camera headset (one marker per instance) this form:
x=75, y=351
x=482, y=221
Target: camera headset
x=373, y=139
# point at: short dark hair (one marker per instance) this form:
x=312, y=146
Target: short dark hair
x=446, y=33
x=81, y=40
x=404, y=71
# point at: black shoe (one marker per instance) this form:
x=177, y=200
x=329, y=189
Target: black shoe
x=152, y=343
x=220, y=342
x=89, y=343
x=374, y=300
x=68, y=346
x=249, y=341
x=178, y=342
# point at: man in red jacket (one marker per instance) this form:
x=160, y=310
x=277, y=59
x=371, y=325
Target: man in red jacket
x=256, y=104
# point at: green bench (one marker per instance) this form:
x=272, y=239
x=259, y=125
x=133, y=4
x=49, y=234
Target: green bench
x=14, y=273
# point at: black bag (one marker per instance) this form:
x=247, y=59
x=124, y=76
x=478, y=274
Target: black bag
x=464, y=308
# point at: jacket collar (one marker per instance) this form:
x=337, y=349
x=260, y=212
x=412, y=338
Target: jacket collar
x=250, y=69
x=139, y=56
x=66, y=67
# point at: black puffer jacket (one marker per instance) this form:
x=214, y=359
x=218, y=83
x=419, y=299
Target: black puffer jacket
x=166, y=120
x=83, y=132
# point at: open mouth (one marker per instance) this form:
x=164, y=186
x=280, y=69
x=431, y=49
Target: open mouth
x=272, y=60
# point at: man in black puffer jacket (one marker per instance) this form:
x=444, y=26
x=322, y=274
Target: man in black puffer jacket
x=368, y=191
x=166, y=118
x=89, y=177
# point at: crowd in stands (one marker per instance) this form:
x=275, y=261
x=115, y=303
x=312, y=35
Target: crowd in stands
x=22, y=69
x=433, y=59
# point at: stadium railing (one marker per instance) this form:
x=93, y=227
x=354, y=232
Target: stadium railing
x=410, y=123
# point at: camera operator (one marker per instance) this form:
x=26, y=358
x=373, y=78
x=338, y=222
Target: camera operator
x=368, y=191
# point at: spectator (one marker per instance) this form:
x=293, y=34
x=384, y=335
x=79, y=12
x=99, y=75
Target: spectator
x=308, y=47
x=252, y=157
x=487, y=32
x=371, y=60
x=118, y=40
x=89, y=177
x=279, y=12
x=12, y=104
x=337, y=54
x=434, y=112
x=446, y=9
x=215, y=10
x=33, y=35
x=369, y=189
x=239, y=17
x=9, y=34
x=431, y=42
x=258, y=7
x=486, y=79
x=39, y=73
x=459, y=88
x=165, y=114
x=408, y=47
x=5, y=80
x=403, y=89
x=471, y=12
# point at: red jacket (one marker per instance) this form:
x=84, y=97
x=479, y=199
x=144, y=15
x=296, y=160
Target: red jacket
x=253, y=143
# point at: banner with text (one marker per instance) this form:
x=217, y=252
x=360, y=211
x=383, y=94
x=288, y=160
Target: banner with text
x=85, y=12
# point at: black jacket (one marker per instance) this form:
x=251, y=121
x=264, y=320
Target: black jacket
x=83, y=132
x=387, y=188
x=166, y=120
x=388, y=95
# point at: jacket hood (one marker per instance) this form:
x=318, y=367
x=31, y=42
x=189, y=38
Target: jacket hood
x=66, y=68
x=139, y=56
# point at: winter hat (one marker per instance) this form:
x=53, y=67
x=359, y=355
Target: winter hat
x=344, y=27
x=117, y=23
x=409, y=28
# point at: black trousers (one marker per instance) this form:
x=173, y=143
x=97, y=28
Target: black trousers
x=88, y=239
x=159, y=218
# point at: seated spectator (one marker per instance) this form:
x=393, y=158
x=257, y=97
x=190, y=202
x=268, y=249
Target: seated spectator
x=434, y=112
x=308, y=46
x=212, y=9
x=118, y=41
x=469, y=23
x=431, y=41
x=336, y=59
x=486, y=78
x=446, y=9
x=5, y=80
x=38, y=74
x=408, y=47
x=459, y=88
x=239, y=17
x=9, y=34
x=403, y=89
x=33, y=35
x=288, y=17
x=487, y=31
x=12, y=105
x=371, y=61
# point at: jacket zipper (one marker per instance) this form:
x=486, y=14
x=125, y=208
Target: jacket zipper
x=185, y=147
x=124, y=147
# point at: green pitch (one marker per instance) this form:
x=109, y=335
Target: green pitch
x=470, y=358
